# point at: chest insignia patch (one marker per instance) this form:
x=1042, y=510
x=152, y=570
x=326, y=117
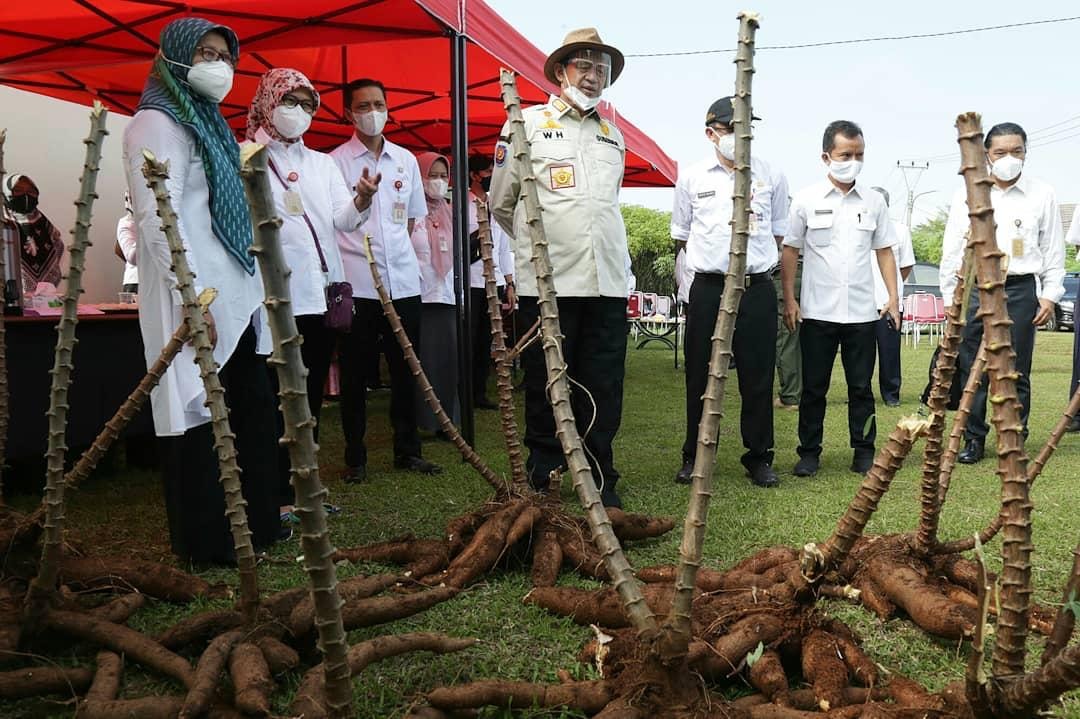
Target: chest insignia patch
x=561, y=176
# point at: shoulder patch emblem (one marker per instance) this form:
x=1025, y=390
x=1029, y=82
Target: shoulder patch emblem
x=500, y=155
x=560, y=105
x=605, y=129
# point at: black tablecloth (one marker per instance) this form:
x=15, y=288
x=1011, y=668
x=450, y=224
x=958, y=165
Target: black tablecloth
x=109, y=364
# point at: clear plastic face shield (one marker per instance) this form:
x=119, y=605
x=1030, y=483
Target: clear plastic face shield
x=588, y=70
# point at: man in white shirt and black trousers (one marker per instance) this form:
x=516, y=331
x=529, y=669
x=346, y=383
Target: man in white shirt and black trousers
x=701, y=220
x=840, y=229
x=1029, y=233
x=396, y=207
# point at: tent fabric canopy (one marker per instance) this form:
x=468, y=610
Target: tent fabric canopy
x=76, y=49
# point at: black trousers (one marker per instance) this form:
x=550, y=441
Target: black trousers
x=369, y=328
x=481, y=342
x=888, y=355
x=316, y=351
x=594, y=348
x=1022, y=305
x=194, y=499
x=819, y=342
x=754, y=341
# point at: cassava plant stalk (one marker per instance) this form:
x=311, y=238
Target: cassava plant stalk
x=502, y=362
x=1034, y=469
x=156, y=174
x=975, y=675
x=676, y=634
x=622, y=576
x=467, y=452
x=816, y=560
x=1066, y=616
x=931, y=496
x=1012, y=624
x=1023, y=697
x=44, y=584
x=960, y=421
x=3, y=331
x=299, y=434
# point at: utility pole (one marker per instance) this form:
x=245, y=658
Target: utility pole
x=916, y=169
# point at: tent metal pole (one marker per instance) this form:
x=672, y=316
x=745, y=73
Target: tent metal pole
x=459, y=152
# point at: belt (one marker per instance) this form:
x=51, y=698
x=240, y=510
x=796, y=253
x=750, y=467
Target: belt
x=751, y=279
x=1017, y=279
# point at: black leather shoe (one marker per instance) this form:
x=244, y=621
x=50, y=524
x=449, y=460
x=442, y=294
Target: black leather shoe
x=890, y=402
x=806, y=466
x=417, y=464
x=972, y=453
x=354, y=475
x=683, y=475
x=1074, y=425
x=484, y=403
x=608, y=498
x=763, y=475
x=861, y=464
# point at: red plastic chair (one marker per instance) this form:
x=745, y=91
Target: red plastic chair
x=939, y=304
x=924, y=313
x=633, y=305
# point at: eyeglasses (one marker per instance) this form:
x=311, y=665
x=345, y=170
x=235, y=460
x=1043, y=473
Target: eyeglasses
x=308, y=106
x=586, y=66
x=211, y=54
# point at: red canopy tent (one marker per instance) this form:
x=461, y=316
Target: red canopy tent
x=78, y=49
x=440, y=60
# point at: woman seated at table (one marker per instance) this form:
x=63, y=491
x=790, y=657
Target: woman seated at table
x=313, y=201
x=40, y=241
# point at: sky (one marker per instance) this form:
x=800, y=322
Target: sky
x=905, y=94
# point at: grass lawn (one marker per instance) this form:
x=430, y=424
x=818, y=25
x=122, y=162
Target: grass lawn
x=121, y=511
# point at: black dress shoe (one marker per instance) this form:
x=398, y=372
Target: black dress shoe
x=763, y=475
x=806, y=466
x=354, y=475
x=892, y=402
x=484, y=403
x=1074, y=425
x=861, y=464
x=683, y=475
x=972, y=453
x=417, y=464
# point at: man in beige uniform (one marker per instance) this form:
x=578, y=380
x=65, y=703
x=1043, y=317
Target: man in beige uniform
x=577, y=159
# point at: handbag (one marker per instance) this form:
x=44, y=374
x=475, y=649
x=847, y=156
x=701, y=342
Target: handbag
x=339, y=297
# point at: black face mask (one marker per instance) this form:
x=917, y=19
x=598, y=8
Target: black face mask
x=485, y=183
x=23, y=204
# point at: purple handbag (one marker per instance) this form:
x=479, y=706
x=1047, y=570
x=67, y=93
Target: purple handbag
x=339, y=297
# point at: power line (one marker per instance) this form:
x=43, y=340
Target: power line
x=1035, y=137
x=856, y=41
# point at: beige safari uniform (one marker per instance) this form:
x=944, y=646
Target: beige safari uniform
x=578, y=165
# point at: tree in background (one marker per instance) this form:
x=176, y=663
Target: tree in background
x=652, y=251
x=926, y=238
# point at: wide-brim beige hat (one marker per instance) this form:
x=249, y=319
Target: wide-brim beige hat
x=586, y=37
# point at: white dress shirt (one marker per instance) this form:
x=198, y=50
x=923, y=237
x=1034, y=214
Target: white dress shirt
x=1028, y=232
x=178, y=400
x=435, y=290
x=501, y=256
x=904, y=255
x=684, y=277
x=578, y=165
x=703, y=212
x=838, y=234
x=126, y=238
x=400, y=198
x=328, y=203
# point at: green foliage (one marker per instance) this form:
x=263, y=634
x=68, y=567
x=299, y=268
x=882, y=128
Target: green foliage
x=652, y=251
x=1072, y=258
x=752, y=657
x=926, y=238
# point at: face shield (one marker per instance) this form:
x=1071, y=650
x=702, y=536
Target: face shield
x=589, y=71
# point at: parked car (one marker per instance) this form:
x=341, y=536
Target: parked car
x=923, y=278
x=1064, y=313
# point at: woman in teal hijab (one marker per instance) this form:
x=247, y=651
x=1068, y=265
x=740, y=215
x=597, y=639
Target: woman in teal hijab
x=179, y=120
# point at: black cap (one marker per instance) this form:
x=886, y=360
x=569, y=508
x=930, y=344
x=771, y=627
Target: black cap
x=723, y=111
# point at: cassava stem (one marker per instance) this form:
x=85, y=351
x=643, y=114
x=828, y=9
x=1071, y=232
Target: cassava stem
x=963, y=414
x=299, y=434
x=1012, y=624
x=467, y=452
x=931, y=496
x=44, y=584
x=156, y=174
x=622, y=576
x=676, y=635
x=3, y=341
x=502, y=362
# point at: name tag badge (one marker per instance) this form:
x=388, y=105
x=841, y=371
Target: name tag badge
x=704, y=195
x=293, y=204
x=1018, y=247
x=397, y=213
